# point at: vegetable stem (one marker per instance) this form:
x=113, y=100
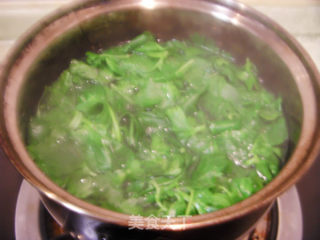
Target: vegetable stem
x=190, y=203
x=115, y=88
x=157, y=195
x=184, y=68
x=116, y=127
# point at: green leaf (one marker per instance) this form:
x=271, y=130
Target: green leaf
x=276, y=132
x=221, y=126
x=179, y=121
x=245, y=185
x=209, y=168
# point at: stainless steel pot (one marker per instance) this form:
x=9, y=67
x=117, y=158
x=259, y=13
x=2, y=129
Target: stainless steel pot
x=46, y=50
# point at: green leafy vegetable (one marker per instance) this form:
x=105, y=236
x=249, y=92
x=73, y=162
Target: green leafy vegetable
x=165, y=128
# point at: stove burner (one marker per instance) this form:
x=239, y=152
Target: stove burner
x=32, y=221
x=266, y=229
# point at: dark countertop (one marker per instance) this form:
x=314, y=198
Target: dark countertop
x=10, y=181
x=309, y=191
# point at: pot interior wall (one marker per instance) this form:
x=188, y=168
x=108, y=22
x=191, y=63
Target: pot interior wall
x=109, y=29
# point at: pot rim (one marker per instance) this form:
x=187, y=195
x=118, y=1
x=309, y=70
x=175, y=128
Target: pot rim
x=299, y=162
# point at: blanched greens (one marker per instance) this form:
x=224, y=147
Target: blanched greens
x=171, y=128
